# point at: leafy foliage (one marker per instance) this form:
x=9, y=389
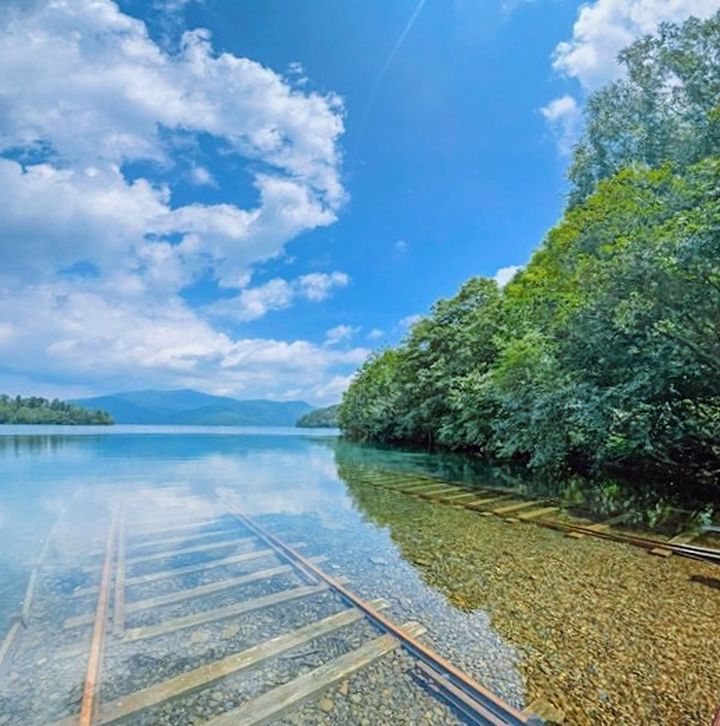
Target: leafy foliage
x=665, y=109
x=320, y=418
x=36, y=410
x=605, y=350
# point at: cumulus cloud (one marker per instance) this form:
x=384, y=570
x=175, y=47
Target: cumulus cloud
x=601, y=30
x=375, y=334
x=409, y=320
x=339, y=333
x=96, y=260
x=276, y=294
x=202, y=177
x=604, y=27
x=110, y=340
x=505, y=274
x=317, y=285
x=564, y=116
x=86, y=88
x=6, y=333
x=332, y=390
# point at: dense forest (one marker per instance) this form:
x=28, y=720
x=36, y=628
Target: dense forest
x=320, y=418
x=604, y=351
x=36, y=410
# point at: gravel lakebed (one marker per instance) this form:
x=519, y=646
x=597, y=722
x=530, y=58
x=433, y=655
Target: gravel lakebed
x=602, y=632
x=605, y=632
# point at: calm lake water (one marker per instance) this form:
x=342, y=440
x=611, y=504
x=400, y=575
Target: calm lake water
x=529, y=613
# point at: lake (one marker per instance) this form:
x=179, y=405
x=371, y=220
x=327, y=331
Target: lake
x=599, y=630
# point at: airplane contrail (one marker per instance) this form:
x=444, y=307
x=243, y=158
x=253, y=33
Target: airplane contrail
x=391, y=57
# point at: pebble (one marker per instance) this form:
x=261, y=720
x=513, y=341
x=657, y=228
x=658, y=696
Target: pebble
x=229, y=632
x=199, y=636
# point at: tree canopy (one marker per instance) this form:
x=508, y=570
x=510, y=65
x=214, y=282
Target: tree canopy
x=605, y=350
x=319, y=418
x=36, y=410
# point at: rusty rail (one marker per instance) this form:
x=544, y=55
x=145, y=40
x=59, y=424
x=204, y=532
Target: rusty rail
x=94, y=666
x=119, y=606
x=707, y=554
x=21, y=620
x=486, y=701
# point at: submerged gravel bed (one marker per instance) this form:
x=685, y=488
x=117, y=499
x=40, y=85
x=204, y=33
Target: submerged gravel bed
x=607, y=633
x=601, y=631
x=132, y=666
x=197, y=605
x=375, y=568
x=237, y=689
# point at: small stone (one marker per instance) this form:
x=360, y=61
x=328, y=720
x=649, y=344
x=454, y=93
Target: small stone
x=343, y=688
x=230, y=632
x=327, y=705
x=199, y=636
x=356, y=698
x=378, y=561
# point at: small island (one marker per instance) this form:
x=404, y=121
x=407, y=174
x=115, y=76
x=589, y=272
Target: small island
x=37, y=410
x=320, y=418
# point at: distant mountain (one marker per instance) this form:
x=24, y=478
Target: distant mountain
x=320, y=418
x=192, y=408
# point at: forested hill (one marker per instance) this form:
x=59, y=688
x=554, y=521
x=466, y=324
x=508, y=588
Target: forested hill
x=320, y=418
x=186, y=407
x=605, y=350
x=36, y=410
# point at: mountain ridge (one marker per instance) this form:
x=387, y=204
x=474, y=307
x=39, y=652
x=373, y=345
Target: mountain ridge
x=193, y=408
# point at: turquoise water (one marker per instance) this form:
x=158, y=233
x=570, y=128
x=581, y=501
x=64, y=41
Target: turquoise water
x=67, y=485
x=42, y=467
x=484, y=591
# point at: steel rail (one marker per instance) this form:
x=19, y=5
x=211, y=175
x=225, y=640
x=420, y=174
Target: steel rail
x=21, y=620
x=94, y=666
x=707, y=554
x=694, y=552
x=119, y=606
x=487, y=700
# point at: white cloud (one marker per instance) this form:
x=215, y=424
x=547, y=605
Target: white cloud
x=401, y=247
x=276, y=294
x=375, y=334
x=202, y=177
x=86, y=87
x=409, y=320
x=111, y=341
x=6, y=333
x=318, y=285
x=94, y=260
x=254, y=302
x=332, y=391
x=339, y=333
x=564, y=117
x=505, y=274
x=604, y=27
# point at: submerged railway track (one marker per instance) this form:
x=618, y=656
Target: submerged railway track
x=513, y=508
x=156, y=626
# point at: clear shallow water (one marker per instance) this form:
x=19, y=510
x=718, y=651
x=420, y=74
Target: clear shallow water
x=496, y=600
x=286, y=480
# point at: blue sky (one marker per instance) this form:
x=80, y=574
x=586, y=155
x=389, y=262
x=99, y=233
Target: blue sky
x=247, y=196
